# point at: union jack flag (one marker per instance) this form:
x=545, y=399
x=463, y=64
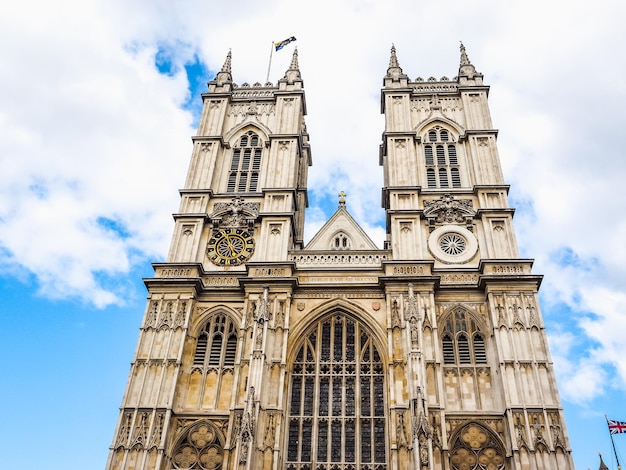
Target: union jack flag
x=616, y=427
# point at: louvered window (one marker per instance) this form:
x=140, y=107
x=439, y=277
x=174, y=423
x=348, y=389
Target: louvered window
x=448, y=350
x=217, y=344
x=480, y=356
x=245, y=164
x=461, y=340
x=442, y=165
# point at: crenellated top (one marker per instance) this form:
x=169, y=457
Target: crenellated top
x=467, y=76
x=223, y=82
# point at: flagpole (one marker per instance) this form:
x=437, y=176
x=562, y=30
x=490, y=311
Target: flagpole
x=613, y=443
x=269, y=66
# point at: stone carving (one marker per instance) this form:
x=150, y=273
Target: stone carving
x=279, y=319
x=412, y=313
x=395, y=314
x=235, y=214
x=520, y=430
x=447, y=210
x=157, y=430
x=557, y=436
x=167, y=319
x=124, y=433
x=151, y=318
x=500, y=309
x=140, y=433
x=537, y=427
x=263, y=313
x=270, y=431
x=401, y=430
x=246, y=432
x=180, y=315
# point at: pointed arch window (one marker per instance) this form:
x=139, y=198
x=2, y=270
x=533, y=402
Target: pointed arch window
x=217, y=344
x=246, y=164
x=337, y=400
x=462, y=341
x=442, y=165
x=341, y=241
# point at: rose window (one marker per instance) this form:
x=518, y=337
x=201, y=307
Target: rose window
x=452, y=244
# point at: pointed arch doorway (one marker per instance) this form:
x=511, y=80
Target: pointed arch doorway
x=337, y=399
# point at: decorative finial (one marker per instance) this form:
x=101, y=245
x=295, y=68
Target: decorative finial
x=342, y=198
x=464, y=59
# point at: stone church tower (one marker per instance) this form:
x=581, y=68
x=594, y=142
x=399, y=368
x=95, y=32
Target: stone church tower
x=260, y=352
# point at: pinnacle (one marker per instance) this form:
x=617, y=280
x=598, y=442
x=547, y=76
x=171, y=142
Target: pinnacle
x=464, y=59
x=294, y=60
x=226, y=66
x=394, y=70
x=393, y=60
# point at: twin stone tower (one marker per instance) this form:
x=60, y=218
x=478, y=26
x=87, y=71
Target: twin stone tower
x=258, y=351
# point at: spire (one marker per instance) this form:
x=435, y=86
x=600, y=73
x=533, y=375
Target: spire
x=294, y=60
x=464, y=59
x=293, y=72
x=466, y=69
x=393, y=60
x=394, y=71
x=224, y=75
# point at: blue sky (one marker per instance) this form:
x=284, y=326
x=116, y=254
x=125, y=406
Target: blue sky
x=98, y=101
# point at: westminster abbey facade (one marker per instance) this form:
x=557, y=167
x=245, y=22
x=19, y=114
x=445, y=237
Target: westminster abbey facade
x=260, y=351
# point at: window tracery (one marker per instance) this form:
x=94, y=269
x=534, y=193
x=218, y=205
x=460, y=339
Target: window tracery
x=337, y=400
x=442, y=165
x=245, y=164
x=199, y=449
x=474, y=448
x=462, y=341
x=341, y=241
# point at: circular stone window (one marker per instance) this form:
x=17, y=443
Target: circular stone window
x=452, y=244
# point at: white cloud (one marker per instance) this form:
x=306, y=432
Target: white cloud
x=90, y=129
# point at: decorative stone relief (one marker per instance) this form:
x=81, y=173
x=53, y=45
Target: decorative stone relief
x=412, y=314
x=395, y=314
x=140, y=433
x=537, y=428
x=401, y=430
x=557, y=436
x=180, y=315
x=167, y=316
x=152, y=317
x=279, y=319
x=270, y=432
x=157, y=430
x=235, y=214
x=124, y=432
x=447, y=210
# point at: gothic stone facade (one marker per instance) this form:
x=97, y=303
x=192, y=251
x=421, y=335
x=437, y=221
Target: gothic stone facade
x=258, y=352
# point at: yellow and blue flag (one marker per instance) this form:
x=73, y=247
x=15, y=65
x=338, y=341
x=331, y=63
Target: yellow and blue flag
x=281, y=44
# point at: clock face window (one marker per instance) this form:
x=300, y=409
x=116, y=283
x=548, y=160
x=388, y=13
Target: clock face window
x=230, y=247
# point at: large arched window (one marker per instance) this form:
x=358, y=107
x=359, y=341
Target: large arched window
x=442, y=165
x=337, y=406
x=246, y=164
x=462, y=340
